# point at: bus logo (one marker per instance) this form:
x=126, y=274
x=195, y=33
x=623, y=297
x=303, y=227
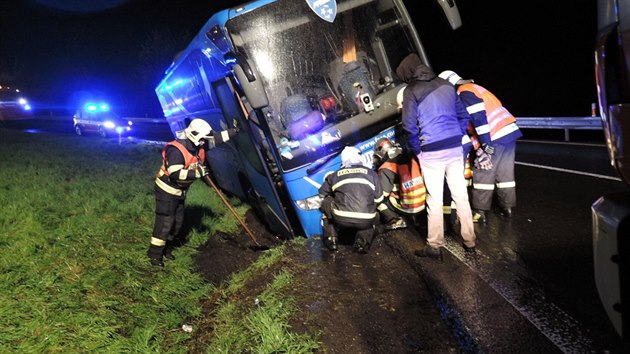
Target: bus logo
x=325, y=9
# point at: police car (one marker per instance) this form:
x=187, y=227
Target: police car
x=98, y=118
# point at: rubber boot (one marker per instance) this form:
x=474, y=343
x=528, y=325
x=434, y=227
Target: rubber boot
x=330, y=235
x=155, y=254
x=168, y=251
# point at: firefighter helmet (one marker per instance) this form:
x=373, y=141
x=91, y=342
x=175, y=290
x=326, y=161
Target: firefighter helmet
x=350, y=156
x=386, y=147
x=453, y=78
x=197, y=130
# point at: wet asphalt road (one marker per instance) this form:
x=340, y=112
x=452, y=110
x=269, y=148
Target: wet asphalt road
x=531, y=288
x=534, y=272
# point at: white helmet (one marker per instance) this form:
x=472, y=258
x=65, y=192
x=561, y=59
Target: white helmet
x=198, y=129
x=452, y=77
x=350, y=156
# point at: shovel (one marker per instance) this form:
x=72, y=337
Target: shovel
x=258, y=246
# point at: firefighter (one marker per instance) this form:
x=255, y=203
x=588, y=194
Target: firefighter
x=494, y=140
x=349, y=199
x=402, y=183
x=183, y=162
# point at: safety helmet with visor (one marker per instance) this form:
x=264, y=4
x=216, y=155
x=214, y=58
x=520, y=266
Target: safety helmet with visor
x=385, y=147
x=198, y=130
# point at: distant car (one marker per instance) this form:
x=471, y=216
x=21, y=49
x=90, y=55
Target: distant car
x=13, y=105
x=99, y=119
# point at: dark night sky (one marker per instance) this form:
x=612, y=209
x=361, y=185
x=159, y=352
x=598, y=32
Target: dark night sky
x=536, y=56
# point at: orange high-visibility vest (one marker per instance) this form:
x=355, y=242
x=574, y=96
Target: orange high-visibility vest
x=410, y=195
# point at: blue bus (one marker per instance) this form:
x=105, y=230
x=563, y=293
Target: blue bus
x=301, y=79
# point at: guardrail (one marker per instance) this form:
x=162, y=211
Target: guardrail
x=565, y=123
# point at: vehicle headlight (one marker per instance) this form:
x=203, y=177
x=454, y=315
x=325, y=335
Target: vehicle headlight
x=310, y=203
x=109, y=124
x=22, y=101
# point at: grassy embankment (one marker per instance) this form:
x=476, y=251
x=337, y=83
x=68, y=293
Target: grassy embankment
x=75, y=221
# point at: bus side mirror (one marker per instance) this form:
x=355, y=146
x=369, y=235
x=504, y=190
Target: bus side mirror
x=251, y=83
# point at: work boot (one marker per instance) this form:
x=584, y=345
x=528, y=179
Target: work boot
x=395, y=223
x=360, y=246
x=506, y=212
x=331, y=243
x=470, y=250
x=479, y=216
x=430, y=252
x=168, y=253
x=155, y=254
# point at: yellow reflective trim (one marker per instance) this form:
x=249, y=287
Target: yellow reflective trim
x=506, y=184
x=446, y=209
x=173, y=168
x=168, y=189
x=225, y=135
x=353, y=180
x=355, y=215
x=483, y=186
x=382, y=207
x=157, y=242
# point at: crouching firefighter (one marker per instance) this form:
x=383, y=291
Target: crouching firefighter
x=349, y=199
x=183, y=162
x=403, y=187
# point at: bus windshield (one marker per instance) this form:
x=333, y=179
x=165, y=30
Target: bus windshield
x=329, y=84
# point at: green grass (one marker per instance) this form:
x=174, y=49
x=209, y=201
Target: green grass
x=76, y=219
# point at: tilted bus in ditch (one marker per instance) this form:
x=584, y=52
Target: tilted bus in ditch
x=611, y=212
x=301, y=79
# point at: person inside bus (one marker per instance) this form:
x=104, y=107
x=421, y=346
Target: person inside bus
x=494, y=135
x=435, y=120
x=349, y=199
x=183, y=162
x=402, y=183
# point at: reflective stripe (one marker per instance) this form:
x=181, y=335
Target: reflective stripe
x=446, y=209
x=157, y=242
x=483, y=129
x=466, y=139
x=353, y=180
x=355, y=215
x=477, y=107
x=168, y=189
x=379, y=199
x=508, y=129
x=506, y=184
x=174, y=168
x=183, y=174
x=225, y=136
x=483, y=186
x=382, y=207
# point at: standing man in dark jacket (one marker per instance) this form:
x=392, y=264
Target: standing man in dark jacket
x=349, y=199
x=495, y=134
x=435, y=122
x=183, y=162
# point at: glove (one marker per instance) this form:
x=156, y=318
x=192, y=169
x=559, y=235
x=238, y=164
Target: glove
x=202, y=170
x=488, y=149
x=483, y=160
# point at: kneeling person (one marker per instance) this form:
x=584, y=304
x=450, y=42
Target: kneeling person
x=349, y=199
x=403, y=187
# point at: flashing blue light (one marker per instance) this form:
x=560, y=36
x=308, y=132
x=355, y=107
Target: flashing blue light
x=104, y=107
x=93, y=107
x=90, y=108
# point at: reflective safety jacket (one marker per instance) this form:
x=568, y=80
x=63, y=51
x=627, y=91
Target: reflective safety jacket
x=492, y=122
x=179, y=167
x=403, y=184
x=356, y=191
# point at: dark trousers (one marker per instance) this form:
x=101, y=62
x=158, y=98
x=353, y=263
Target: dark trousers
x=169, y=216
x=363, y=230
x=499, y=179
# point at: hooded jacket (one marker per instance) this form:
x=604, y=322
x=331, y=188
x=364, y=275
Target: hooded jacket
x=433, y=116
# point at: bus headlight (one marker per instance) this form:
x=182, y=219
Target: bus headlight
x=109, y=124
x=310, y=203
